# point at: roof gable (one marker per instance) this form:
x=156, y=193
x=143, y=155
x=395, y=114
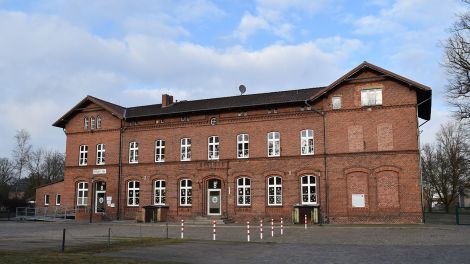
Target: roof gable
x=114, y=109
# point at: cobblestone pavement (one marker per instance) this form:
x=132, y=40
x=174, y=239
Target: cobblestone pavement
x=328, y=243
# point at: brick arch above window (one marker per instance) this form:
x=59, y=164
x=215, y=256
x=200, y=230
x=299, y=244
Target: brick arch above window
x=388, y=168
x=237, y=175
x=159, y=176
x=271, y=173
x=303, y=172
x=356, y=169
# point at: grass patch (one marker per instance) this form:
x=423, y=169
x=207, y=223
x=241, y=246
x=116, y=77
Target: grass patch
x=84, y=253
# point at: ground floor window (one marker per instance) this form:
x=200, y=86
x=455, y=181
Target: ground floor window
x=82, y=193
x=133, y=192
x=57, y=199
x=275, y=190
x=243, y=191
x=309, y=189
x=186, y=187
x=160, y=192
x=46, y=199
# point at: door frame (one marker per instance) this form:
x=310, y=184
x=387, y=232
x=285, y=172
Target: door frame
x=208, y=201
x=96, y=198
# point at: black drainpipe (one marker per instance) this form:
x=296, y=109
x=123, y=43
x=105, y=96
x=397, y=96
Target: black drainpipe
x=121, y=131
x=323, y=114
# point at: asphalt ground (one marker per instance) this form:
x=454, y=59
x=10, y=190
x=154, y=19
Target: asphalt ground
x=429, y=243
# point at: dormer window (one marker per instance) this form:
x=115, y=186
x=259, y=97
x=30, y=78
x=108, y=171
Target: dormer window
x=98, y=122
x=85, y=122
x=93, y=122
x=370, y=97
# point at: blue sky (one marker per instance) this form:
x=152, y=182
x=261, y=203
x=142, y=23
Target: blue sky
x=55, y=52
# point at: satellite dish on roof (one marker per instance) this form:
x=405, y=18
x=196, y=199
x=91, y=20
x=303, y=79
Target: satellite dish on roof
x=242, y=89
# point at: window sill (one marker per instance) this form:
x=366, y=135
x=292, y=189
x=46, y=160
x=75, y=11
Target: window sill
x=132, y=206
x=275, y=205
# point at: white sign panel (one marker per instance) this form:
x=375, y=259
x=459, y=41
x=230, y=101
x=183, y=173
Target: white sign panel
x=109, y=200
x=99, y=171
x=358, y=200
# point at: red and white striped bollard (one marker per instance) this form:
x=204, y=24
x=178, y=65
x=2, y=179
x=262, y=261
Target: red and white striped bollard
x=261, y=229
x=272, y=227
x=248, y=231
x=213, y=230
x=305, y=221
x=182, y=228
x=282, y=226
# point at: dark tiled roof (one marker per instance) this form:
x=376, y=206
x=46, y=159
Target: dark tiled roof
x=223, y=103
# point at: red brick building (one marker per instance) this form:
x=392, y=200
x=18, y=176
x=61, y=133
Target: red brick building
x=350, y=149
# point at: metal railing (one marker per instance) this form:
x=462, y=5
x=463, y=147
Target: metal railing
x=52, y=213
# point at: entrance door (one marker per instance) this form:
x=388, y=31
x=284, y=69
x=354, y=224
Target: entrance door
x=214, y=197
x=100, y=197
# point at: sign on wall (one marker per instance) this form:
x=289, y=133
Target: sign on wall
x=99, y=171
x=358, y=200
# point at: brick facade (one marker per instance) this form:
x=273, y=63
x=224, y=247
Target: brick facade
x=370, y=151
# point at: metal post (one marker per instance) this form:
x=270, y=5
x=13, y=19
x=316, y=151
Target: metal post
x=182, y=228
x=261, y=229
x=63, y=241
x=457, y=220
x=305, y=220
x=272, y=227
x=282, y=226
x=166, y=230
x=109, y=236
x=213, y=230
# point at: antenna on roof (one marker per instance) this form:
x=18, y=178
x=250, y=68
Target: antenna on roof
x=242, y=89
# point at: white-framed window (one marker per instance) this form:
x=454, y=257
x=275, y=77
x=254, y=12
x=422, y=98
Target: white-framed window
x=57, y=199
x=308, y=189
x=275, y=190
x=243, y=150
x=160, y=150
x=370, y=97
x=46, y=199
x=133, y=193
x=83, y=159
x=306, y=142
x=133, y=152
x=93, y=122
x=159, y=192
x=85, y=122
x=274, y=144
x=185, y=149
x=186, y=192
x=82, y=193
x=100, y=154
x=98, y=122
x=336, y=102
x=243, y=191
x=213, y=148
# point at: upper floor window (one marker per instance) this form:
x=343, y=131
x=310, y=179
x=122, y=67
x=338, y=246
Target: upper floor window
x=160, y=150
x=186, y=187
x=308, y=189
x=371, y=97
x=98, y=122
x=185, y=149
x=306, y=142
x=336, y=102
x=275, y=190
x=85, y=122
x=274, y=144
x=93, y=122
x=82, y=193
x=133, y=152
x=100, y=153
x=83, y=160
x=213, y=148
x=243, y=146
x=133, y=193
x=243, y=191
x=160, y=192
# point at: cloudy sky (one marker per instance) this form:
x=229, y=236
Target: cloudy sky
x=55, y=52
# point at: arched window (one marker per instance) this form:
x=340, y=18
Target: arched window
x=308, y=188
x=275, y=190
x=186, y=187
x=160, y=192
x=98, y=122
x=85, y=122
x=82, y=193
x=243, y=191
x=93, y=122
x=133, y=193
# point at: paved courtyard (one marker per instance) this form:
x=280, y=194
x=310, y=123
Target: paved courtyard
x=317, y=244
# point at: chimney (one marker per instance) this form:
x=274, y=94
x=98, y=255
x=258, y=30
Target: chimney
x=167, y=100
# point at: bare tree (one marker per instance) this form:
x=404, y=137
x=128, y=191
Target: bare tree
x=445, y=165
x=457, y=63
x=21, y=153
x=6, y=176
x=53, y=166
